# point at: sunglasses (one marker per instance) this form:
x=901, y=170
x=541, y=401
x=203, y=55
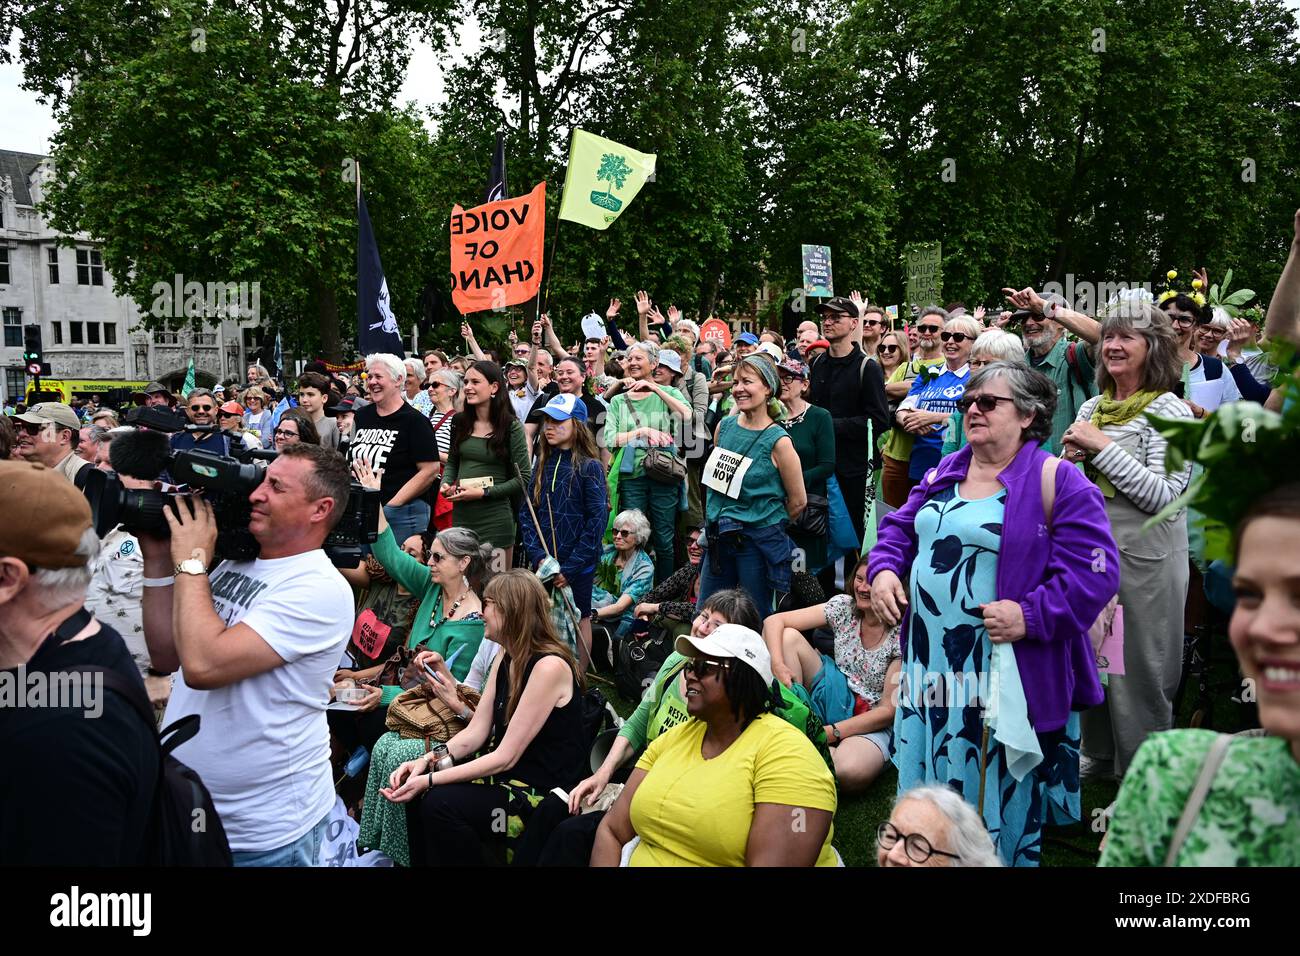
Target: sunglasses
x=621, y=531
x=985, y=403
x=432, y=385
x=957, y=337
x=917, y=847
x=285, y=433
x=703, y=667
x=436, y=558
x=889, y=348
x=871, y=322
x=202, y=408
x=929, y=329
x=230, y=415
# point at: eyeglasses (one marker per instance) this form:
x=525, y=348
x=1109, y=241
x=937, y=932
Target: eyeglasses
x=703, y=667
x=522, y=353
x=985, y=403
x=872, y=322
x=958, y=337
x=916, y=847
x=436, y=558
x=621, y=531
x=1188, y=319
x=202, y=408
x=889, y=348
x=285, y=433
x=787, y=379
x=929, y=329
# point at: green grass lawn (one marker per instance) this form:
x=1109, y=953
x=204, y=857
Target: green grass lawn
x=1076, y=845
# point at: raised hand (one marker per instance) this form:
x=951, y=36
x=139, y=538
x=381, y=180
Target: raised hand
x=860, y=301
x=674, y=314
x=979, y=313
x=1026, y=298
x=642, y=302
x=537, y=332
x=614, y=306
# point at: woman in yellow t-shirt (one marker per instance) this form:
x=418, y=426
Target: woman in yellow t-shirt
x=734, y=786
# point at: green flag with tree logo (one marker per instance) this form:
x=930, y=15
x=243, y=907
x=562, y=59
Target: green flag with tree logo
x=603, y=178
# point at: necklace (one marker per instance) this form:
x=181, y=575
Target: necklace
x=433, y=618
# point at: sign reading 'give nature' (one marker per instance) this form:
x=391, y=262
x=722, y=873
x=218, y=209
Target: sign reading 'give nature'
x=496, y=252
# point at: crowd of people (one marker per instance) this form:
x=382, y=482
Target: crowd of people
x=821, y=551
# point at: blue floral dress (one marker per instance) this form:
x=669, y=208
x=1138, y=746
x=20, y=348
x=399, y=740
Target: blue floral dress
x=939, y=724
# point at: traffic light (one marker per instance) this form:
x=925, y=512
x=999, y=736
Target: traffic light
x=32, y=350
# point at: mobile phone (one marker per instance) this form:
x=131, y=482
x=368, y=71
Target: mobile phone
x=430, y=671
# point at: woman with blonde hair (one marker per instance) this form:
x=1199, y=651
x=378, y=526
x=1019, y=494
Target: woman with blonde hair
x=528, y=727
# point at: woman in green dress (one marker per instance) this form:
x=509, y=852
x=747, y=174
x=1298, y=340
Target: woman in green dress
x=488, y=442
x=813, y=434
x=1251, y=813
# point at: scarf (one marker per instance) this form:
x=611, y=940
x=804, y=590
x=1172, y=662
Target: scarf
x=1111, y=412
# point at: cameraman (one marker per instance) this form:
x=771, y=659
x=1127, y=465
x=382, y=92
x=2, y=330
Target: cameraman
x=257, y=645
x=80, y=769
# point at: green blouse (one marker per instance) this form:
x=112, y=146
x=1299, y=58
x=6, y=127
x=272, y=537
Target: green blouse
x=1251, y=816
x=491, y=518
x=448, y=635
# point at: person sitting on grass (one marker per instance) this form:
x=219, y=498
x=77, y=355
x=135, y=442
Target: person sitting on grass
x=624, y=573
x=723, y=788
x=853, y=691
x=933, y=826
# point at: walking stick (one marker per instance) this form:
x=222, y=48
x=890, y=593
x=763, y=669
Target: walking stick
x=984, y=760
x=577, y=624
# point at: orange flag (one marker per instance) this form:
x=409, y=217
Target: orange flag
x=496, y=252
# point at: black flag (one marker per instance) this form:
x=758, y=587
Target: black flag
x=377, y=329
x=496, y=185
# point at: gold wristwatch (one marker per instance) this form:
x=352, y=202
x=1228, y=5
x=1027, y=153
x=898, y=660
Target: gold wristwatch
x=191, y=566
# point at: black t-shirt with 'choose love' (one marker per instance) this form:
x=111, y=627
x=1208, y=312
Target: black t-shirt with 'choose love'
x=395, y=444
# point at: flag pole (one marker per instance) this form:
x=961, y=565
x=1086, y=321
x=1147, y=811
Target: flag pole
x=555, y=241
x=358, y=184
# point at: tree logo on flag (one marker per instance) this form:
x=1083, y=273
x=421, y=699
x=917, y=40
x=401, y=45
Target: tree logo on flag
x=387, y=319
x=615, y=171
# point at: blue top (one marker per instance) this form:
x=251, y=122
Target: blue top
x=573, y=509
x=939, y=394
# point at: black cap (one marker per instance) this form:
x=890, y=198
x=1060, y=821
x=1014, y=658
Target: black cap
x=841, y=305
x=344, y=405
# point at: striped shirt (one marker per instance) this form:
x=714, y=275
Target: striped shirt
x=1143, y=481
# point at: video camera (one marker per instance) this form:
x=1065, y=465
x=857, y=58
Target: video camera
x=226, y=482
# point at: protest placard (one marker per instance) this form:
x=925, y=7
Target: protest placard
x=496, y=252
x=817, y=271
x=924, y=275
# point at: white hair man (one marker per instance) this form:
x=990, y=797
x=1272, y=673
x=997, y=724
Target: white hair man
x=75, y=791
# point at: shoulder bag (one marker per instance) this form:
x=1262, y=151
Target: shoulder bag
x=661, y=465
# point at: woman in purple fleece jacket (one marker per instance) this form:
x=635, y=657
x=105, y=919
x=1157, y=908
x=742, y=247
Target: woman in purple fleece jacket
x=997, y=588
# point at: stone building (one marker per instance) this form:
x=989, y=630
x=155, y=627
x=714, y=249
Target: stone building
x=87, y=330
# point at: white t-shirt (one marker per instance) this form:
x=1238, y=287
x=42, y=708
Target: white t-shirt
x=263, y=747
x=115, y=590
x=1210, y=395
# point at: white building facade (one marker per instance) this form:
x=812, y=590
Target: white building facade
x=88, y=331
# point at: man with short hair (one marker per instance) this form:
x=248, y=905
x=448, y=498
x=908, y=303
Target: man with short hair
x=874, y=324
x=1070, y=365
x=49, y=433
x=313, y=396
x=257, y=644
x=201, y=406
x=155, y=395
x=79, y=769
x=89, y=437
x=851, y=387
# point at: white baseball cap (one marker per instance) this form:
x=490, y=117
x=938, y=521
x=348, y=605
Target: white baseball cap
x=771, y=350
x=730, y=640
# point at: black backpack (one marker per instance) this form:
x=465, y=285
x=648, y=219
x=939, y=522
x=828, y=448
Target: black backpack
x=185, y=829
x=638, y=659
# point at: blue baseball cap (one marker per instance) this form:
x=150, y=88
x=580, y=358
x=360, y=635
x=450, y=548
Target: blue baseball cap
x=563, y=407
x=749, y=338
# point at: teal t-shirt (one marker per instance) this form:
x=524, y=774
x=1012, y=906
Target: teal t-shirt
x=758, y=498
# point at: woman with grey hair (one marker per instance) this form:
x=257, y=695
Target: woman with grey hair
x=933, y=826
x=993, y=345
x=1008, y=561
x=1123, y=452
x=624, y=573
x=643, y=416
x=933, y=396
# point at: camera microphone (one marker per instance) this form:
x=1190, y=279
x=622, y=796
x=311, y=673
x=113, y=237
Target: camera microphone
x=140, y=454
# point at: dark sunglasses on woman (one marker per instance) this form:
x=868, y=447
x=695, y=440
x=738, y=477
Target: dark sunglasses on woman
x=702, y=667
x=889, y=348
x=957, y=337
x=985, y=403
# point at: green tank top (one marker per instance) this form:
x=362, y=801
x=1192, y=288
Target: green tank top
x=761, y=499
